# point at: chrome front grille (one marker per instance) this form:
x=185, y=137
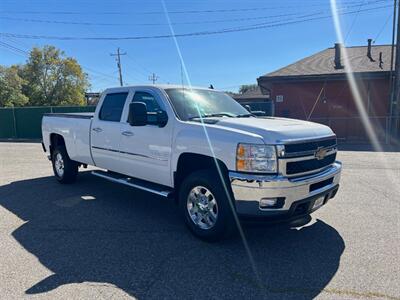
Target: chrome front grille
x=309, y=165
x=307, y=157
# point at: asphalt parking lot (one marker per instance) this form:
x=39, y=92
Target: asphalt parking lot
x=96, y=239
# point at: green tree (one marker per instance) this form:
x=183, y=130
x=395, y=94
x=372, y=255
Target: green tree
x=247, y=87
x=11, y=87
x=51, y=78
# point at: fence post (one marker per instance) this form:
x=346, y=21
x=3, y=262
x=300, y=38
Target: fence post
x=387, y=129
x=15, y=123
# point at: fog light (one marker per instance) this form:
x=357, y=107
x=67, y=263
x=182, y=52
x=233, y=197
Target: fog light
x=268, y=202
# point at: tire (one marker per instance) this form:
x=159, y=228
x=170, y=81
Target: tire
x=65, y=170
x=208, y=215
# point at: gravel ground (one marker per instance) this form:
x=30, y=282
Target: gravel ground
x=96, y=239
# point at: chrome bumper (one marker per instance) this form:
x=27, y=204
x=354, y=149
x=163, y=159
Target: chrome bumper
x=249, y=189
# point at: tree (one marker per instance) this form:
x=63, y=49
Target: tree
x=51, y=78
x=11, y=87
x=247, y=87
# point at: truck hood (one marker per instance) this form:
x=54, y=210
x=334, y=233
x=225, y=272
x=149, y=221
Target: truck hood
x=278, y=130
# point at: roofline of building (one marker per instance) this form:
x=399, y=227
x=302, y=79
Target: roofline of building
x=329, y=76
x=317, y=53
x=295, y=62
x=365, y=46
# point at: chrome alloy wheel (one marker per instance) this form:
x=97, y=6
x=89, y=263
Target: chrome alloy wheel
x=202, y=207
x=59, y=165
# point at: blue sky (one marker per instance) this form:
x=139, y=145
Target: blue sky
x=225, y=60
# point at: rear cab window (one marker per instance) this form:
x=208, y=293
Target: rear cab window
x=112, y=107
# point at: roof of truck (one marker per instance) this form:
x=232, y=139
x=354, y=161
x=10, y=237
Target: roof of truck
x=160, y=86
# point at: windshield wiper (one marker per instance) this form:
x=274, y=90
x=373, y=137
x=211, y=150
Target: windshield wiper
x=245, y=116
x=211, y=116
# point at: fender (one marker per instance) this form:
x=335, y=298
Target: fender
x=209, y=140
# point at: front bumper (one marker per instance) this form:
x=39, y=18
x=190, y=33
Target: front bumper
x=296, y=195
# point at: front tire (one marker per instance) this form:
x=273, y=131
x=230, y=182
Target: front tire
x=205, y=206
x=65, y=170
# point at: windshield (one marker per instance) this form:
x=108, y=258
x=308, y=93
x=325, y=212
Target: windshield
x=193, y=103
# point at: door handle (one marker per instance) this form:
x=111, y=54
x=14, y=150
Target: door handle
x=127, y=133
x=97, y=129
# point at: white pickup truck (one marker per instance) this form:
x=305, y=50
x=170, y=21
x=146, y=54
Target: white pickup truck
x=202, y=148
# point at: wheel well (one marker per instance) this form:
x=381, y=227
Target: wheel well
x=56, y=140
x=190, y=162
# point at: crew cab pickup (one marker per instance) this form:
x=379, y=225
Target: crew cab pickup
x=202, y=148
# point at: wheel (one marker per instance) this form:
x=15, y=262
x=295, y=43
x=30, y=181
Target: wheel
x=64, y=168
x=205, y=206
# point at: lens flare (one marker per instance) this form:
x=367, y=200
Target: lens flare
x=352, y=81
x=365, y=120
x=186, y=74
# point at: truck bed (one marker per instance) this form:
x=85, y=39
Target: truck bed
x=75, y=128
x=84, y=115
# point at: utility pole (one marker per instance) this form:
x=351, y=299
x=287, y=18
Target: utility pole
x=153, y=78
x=395, y=86
x=118, y=59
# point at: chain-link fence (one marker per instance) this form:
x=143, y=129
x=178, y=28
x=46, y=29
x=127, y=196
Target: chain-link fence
x=352, y=129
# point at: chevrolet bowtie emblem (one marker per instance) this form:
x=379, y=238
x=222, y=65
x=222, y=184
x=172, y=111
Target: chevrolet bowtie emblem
x=320, y=153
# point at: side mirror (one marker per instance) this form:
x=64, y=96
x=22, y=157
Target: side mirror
x=137, y=114
x=162, y=118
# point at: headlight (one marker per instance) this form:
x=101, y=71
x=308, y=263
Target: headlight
x=256, y=158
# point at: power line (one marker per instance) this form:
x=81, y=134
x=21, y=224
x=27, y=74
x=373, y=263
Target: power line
x=137, y=64
x=206, y=11
x=98, y=72
x=189, y=34
x=19, y=43
x=154, y=24
x=145, y=24
x=90, y=29
x=142, y=72
x=354, y=21
x=16, y=53
x=363, y=3
x=25, y=53
x=13, y=48
x=383, y=27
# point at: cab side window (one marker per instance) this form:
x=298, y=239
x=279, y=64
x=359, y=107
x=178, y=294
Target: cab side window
x=111, y=109
x=151, y=103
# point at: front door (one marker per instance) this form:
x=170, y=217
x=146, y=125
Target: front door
x=145, y=151
x=105, y=132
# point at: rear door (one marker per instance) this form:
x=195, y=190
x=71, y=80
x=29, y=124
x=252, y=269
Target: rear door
x=145, y=151
x=106, y=131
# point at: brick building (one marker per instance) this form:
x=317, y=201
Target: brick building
x=316, y=88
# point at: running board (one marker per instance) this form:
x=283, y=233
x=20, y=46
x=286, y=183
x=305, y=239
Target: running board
x=135, y=183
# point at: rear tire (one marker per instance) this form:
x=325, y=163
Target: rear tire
x=65, y=170
x=205, y=206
